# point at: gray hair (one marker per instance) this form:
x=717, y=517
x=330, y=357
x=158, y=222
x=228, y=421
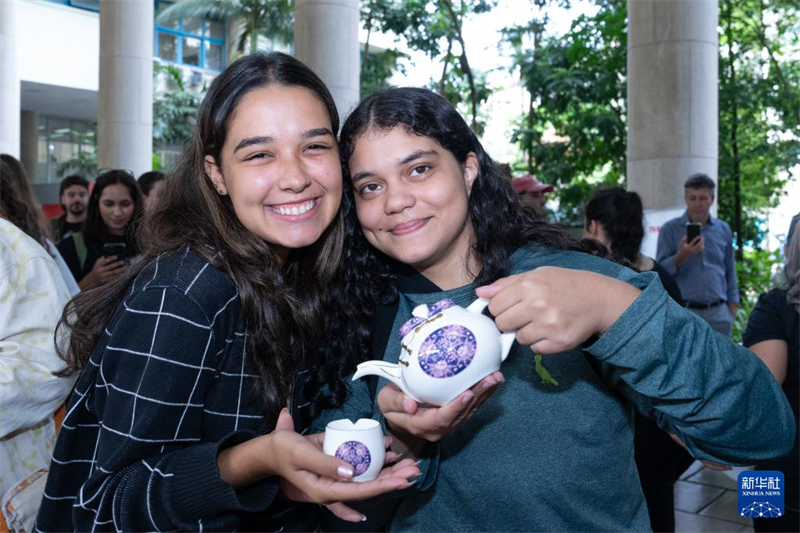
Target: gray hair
x=700, y=181
x=792, y=270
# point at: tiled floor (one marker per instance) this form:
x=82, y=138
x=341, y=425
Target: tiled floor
x=705, y=501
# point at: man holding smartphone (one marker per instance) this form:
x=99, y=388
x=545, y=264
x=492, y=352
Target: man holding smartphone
x=697, y=249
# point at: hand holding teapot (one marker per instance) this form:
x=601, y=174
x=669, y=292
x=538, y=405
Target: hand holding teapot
x=445, y=350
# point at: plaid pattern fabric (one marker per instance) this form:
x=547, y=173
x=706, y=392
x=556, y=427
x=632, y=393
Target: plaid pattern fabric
x=165, y=389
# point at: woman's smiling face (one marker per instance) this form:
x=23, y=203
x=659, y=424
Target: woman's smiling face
x=411, y=200
x=280, y=166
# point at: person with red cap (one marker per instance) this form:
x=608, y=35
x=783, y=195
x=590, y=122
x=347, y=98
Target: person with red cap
x=532, y=193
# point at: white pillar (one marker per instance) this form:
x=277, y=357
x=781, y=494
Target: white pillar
x=326, y=39
x=672, y=97
x=10, y=102
x=29, y=143
x=125, y=95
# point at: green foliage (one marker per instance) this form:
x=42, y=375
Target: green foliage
x=377, y=68
x=273, y=19
x=759, y=102
x=434, y=27
x=175, y=108
x=754, y=275
x=85, y=163
x=574, y=134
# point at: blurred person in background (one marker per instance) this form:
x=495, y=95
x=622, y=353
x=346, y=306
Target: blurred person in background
x=21, y=209
x=773, y=334
x=533, y=194
x=151, y=185
x=614, y=218
x=98, y=253
x=73, y=196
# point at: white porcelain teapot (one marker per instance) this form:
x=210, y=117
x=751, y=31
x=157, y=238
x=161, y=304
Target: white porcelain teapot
x=445, y=349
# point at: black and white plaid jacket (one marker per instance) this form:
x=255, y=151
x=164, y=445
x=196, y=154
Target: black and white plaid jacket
x=166, y=388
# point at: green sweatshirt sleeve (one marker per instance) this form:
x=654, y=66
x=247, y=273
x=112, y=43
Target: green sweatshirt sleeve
x=715, y=395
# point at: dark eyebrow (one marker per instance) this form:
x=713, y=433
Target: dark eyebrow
x=406, y=160
x=317, y=132
x=416, y=155
x=244, y=143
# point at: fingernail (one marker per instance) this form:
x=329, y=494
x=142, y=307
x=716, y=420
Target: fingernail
x=345, y=472
x=489, y=384
x=400, y=456
x=467, y=398
x=363, y=518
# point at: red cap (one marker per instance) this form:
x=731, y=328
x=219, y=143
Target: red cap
x=529, y=184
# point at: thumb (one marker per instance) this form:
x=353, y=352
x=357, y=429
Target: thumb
x=285, y=421
x=488, y=291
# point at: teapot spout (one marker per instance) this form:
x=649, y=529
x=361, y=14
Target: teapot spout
x=381, y=369
x=506, y=340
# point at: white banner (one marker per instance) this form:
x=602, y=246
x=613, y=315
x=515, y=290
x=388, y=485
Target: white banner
x=653, y=220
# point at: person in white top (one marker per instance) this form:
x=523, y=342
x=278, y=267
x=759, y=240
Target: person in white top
x=32, y=296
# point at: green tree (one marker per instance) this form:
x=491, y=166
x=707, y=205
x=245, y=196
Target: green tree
x=759, y=104
x=574, y=132
x=273, y=19
x=175, y=108
x=434, y=27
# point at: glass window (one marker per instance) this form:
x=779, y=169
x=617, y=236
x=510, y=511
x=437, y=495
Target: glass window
x=173, y=24
x=193, y=26
x=215, y=30
x=61, y=140
x=167, y=46
x=192, y=41
x=213, y=56
x=191, y=51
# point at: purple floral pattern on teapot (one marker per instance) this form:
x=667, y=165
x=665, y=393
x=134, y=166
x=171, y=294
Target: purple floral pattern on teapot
x=356, y=454
x=447, y=351
x=433, y=310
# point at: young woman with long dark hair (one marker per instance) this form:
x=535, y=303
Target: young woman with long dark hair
x=188, y=361
x=113, y=215
x=552, y=449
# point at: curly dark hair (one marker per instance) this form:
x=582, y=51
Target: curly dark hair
x=17, y=201
x=620, y=214
x=284, y=307
x=501, y=224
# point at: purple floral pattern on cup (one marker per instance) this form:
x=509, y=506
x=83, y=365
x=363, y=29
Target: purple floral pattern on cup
x=356, y=454
x=447, y=351
x=433, y=310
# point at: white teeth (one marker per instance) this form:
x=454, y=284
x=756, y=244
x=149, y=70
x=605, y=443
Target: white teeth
x=295, y=210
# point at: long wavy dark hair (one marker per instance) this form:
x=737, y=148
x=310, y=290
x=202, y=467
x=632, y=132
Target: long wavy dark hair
x=284, y=307
x=621, y=214
x=95, y=230
x=18, y=202
x=501, y=224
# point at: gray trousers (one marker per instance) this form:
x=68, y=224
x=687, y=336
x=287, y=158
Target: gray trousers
x=719, y=318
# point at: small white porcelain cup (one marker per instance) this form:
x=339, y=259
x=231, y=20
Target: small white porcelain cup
x=360, y=444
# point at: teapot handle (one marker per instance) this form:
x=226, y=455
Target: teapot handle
x=478, y=306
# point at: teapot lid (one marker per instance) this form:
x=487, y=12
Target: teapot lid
x=433, y=310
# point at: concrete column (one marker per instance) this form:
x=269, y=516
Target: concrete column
x=672, y=97
x=125, y=95
x=9, y=80
x=326, y=39
x=29, y=143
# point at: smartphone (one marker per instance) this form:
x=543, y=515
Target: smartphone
x=692, y=231
x=114, y=248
